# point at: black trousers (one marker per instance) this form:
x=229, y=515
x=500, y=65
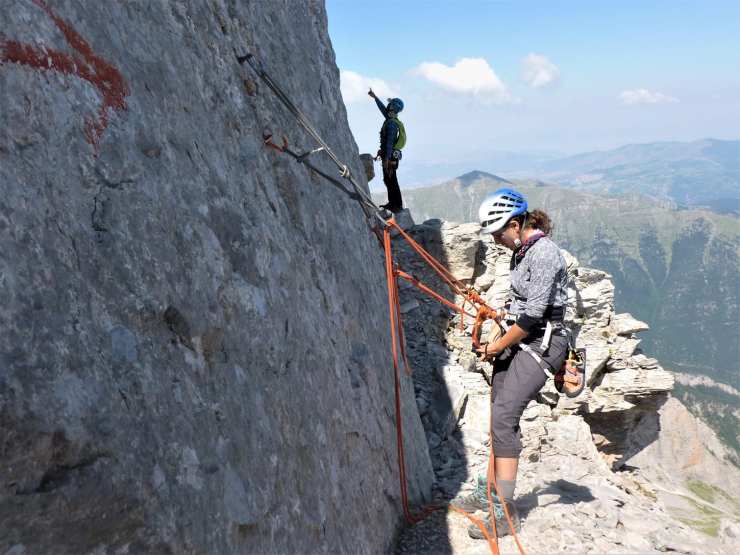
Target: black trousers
x=391, y=184
x=516, y=380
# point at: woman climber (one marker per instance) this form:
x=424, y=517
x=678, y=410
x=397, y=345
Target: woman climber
x=534, y=345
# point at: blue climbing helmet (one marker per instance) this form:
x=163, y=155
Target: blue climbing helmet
x=395, y=104
x=498, y=208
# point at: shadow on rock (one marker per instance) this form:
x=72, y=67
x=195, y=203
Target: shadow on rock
x=620, y=435
x=440, y=400
x=558, y=492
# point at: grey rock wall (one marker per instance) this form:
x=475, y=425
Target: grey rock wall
x=193, y=330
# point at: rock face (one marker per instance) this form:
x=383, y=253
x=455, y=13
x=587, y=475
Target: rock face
x=593, y=473
x=368, y=166
x=193, y=329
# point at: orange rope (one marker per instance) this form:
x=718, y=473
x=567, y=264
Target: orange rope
x=455, y=284
x=396, y=325
x=484, y=312
x=426, y=289
x=469, y=294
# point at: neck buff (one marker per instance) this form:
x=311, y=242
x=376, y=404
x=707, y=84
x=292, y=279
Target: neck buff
x=536, y=236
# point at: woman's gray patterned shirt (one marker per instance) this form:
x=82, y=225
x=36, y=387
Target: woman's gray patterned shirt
x=538, y=282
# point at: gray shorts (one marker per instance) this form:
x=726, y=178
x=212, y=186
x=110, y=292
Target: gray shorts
x=516, y=381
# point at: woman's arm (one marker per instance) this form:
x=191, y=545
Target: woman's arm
x=513, y=336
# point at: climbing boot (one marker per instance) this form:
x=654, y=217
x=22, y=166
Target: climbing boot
x=502, y=525
x=391, y=208
x=477, y=500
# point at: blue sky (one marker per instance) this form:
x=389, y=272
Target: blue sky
x=540, y=76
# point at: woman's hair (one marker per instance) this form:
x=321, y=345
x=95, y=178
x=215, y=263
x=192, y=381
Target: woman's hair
x=536, y=219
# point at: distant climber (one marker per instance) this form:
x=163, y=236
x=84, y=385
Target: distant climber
x=536, y=341
x=392, y=141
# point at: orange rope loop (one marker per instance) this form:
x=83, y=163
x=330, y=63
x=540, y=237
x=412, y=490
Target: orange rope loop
x=483, y=312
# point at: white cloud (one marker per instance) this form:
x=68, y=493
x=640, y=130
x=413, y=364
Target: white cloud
x=468, y=75
x=538, y=71
x=354, y=87
x=644, y=96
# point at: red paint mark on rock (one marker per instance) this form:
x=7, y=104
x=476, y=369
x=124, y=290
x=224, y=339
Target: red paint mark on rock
x=87, y=65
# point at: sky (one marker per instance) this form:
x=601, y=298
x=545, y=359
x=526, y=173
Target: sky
x=539, y=77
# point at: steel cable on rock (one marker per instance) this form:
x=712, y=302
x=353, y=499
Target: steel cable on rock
x=397, y=337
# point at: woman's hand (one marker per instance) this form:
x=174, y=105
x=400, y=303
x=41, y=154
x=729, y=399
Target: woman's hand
x=488, y=350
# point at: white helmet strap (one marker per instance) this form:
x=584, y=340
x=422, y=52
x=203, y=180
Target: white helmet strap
x=518, y=241
x=523, y=224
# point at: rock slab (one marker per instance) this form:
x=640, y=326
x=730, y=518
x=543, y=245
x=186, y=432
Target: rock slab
x=193, y=345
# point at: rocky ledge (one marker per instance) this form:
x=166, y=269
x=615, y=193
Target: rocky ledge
x=594, y=475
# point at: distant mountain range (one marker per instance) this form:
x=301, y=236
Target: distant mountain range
x=414, y=173
x=698, y=174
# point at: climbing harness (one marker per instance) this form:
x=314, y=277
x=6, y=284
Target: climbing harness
x=545, y=343
x=469, y=295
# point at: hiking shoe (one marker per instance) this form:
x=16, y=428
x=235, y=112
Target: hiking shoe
x=477, y=500
x=502, y=525
x=470, y=503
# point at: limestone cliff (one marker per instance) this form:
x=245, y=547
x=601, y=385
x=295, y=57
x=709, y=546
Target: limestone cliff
x=193, y=329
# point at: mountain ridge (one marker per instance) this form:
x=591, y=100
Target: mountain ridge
x=696, y=174
x=703, y=173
